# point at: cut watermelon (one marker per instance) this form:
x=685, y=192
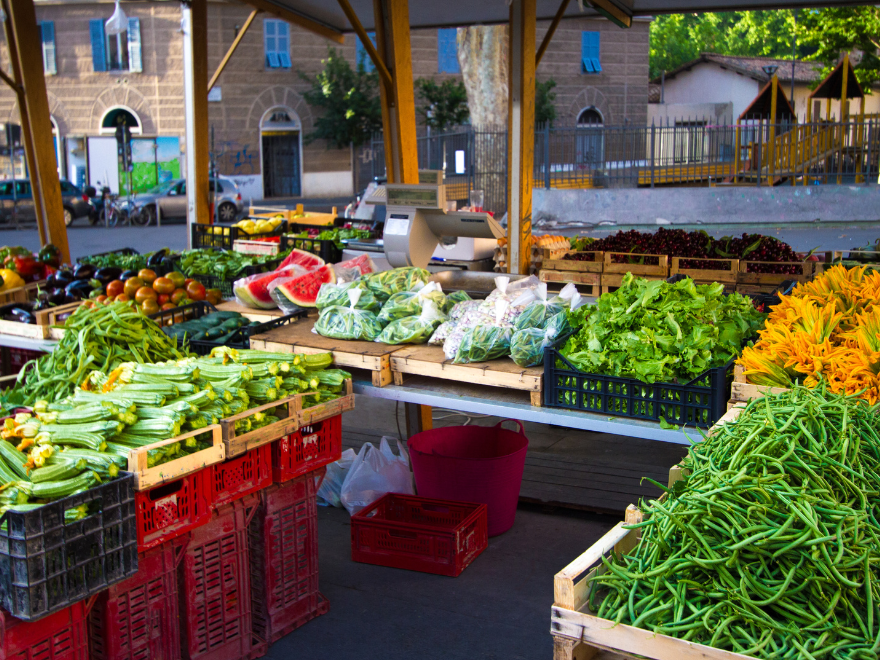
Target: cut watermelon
x=253, y=291
x=302, y=258
x=302, y=291
x=363, y=263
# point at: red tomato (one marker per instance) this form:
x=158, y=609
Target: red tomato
x=178, y=295
x=163, y=285
x=195, y=290
x=114, y=288
x=163, y=298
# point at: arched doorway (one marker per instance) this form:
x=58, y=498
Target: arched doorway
x=120, y=116
x=281, y=145
x=590, y=143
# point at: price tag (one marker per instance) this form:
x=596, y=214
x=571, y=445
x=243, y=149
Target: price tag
x=397, y=226
x=255, y=247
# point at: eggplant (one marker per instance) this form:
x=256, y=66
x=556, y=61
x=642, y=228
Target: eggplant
x=61, y=318
x=56, y=296
x=157, y=257
x=42, y=304
x=78, y=289
x=126, y=274
x=59, y=279
x=23, y=315
x=108, y=274
x=85, y=272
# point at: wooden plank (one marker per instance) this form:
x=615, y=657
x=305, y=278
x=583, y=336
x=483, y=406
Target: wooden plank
x=326, y=410
x=742, y=390
x=614, y=280
x=29, y=330
x=564, y=594
x=148, y=477
x=428, y=360
x=593, y=280
x=725, y=275
x=597, y=265
x=661, y=268
x=805, y=269
x=251, y=314
x=287, y=423
x=548, y=254
x=26, y=293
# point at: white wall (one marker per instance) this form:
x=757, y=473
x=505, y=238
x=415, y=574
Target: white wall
x=250, y=186
x=709, y=83
x=714, y=113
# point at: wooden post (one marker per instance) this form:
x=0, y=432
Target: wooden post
x=771, y=157
x=521, y=135
x=548, y=37
x=398, y=101
x=200, y=185
x=22, y=26
x=736, y=156
x=229, y=53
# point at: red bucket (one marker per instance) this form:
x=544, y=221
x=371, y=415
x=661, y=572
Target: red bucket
x=472, y=464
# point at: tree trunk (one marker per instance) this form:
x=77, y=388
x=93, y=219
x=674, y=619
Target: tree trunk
x=483, y=59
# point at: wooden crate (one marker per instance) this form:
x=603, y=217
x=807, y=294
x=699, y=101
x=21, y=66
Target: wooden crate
x=49, y=318
x=591, y=280
x=612, y=281
x=26, y=293
x=237, y=444
x=148, y=477
x=251, y=314
x=820, y=267
x=299, y=338
x=741, y=390
x=551, y=254
x=804, y=274
x=430, y=361
x=558, y=263
x=726, y=273
x=321, y=411
x=653, y=271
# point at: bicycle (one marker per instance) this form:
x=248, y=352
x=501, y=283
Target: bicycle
x=125, y=212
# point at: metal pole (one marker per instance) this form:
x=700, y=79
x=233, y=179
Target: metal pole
x=547, y=155
x=653, y=137
x=189, y=119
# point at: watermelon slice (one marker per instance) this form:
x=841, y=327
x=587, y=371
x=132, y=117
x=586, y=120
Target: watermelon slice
x=363, y=263
x=302, y=291
x=302, y=258
x=253, y=291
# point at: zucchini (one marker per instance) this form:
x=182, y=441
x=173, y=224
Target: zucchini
x=14, y=459
x=58, y=470
x=7, y=475
x=52, y=490
x=315, y=361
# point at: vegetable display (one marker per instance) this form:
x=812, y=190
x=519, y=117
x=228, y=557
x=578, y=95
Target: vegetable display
x=336, y=293
x=348, y=322
x=386, y=283
x=826, y=330
x=660, y=332
x=134, y=262
x=770, y=547
x=216, y=327
x=304, y=240
x=410, y=303
x=416, y=329
x=527, y=346
x=221, y=264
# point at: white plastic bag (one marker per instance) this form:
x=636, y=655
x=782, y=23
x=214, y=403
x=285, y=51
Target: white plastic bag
x=374, y=473
x=331, y=487
x=117, y=23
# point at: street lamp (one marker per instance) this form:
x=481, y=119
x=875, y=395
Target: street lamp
x=770, y=69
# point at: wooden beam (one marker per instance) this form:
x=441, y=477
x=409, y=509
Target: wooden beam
x=9, y=81
x=43, y=165
x=551, y=31
x=297, y=19
x=844, y=101
x=199, y=27
x=235, y=42
x=398, y=99
x=521, y=134
x=610, y=10
x=356, y=25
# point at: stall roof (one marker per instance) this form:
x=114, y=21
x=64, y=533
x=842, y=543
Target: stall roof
x=832, y=86
x=424, y=14
x=763, y=103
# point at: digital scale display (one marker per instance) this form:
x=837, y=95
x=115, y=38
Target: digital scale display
x=418, y=196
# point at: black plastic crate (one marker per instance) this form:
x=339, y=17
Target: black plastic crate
x=326, y=249
x=700, y=402
x=217, y=236
x=194, y=310
x=47, y=564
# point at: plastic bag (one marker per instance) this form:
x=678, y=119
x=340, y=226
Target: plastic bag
x=559, y=324
x=453, y=299
x=486, y=341
x=409, y=303
x=413, y=329
x=536, y=313
x=339, y=322
x=117, y=23
x=253, y=291
x=571, y=297
x=527, y=345
x=442, y=332
x=386, y=283
x=508, y=291
x=331, y=487
x=460, y=309
x=336, y=293
x=472, y=314
x=374, y=473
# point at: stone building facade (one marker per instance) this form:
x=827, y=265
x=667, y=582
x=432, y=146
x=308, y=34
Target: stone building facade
x=257, y=113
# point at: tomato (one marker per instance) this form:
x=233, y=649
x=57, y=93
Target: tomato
x=188, y=280
x=89, y=304
x=145, y=293
x=178, y=295
x=163, y=298
x=163, y=285
x=214, y=296
x=132, y=284
x=195, y=290
x=179, y=279
x=150, y=306
x=122, y=297
x=101, y=299
x=147, y=275
x=114, y=288
x=168, y=305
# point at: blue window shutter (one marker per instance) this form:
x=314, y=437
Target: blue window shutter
x=361, y=53
x=447, y=51
x=596, y=66
x=47, y=33
x=135, y=62
x=590, y=52
x=285, y=60
x=274, y=62
x=588, y=64
x=99, y=55
x=270, y=42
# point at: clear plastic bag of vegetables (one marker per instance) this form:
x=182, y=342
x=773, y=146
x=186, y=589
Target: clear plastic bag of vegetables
x=409, y=303
x=527, y=345
x=341, y=322
x=470, y=315
x=413, y=329
x=452, y=299
x=486, y=341
x=540, y=308
x=460, y=309
x=510, y=291
x=442, y=332
x=388, y=282
x=336, y=293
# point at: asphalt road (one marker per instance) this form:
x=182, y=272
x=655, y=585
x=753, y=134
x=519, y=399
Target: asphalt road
x=85, y=240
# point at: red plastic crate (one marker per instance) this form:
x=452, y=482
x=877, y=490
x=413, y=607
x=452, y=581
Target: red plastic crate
x=310, y=448
x=59, y=636
x=137, y=619
x=215, y=590
x=419, y=534
x=169, y=510
x=283, y=538
x=237, y=477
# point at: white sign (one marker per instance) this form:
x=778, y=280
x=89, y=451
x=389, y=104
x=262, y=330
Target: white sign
x=459, y=162
x=397, y=226
x=215, y=94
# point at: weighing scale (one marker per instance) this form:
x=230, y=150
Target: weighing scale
x=417, y=224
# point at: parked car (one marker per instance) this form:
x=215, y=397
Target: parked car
x=19, y=207
x=170, y=198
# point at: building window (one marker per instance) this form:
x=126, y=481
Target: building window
x=116, y=52
x=47, y=36
x=277, y=42
x=590, y=117
x=590, y=53
x=447, y=51
x=361, y=53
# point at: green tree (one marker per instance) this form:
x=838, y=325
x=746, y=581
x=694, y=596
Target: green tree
x=442, y=106
x=545, y=110
x=346, y=102
x=837, y=30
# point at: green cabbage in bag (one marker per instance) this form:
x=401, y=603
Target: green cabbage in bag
x=409, y=303
x=340, y=322
x=413, y=329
